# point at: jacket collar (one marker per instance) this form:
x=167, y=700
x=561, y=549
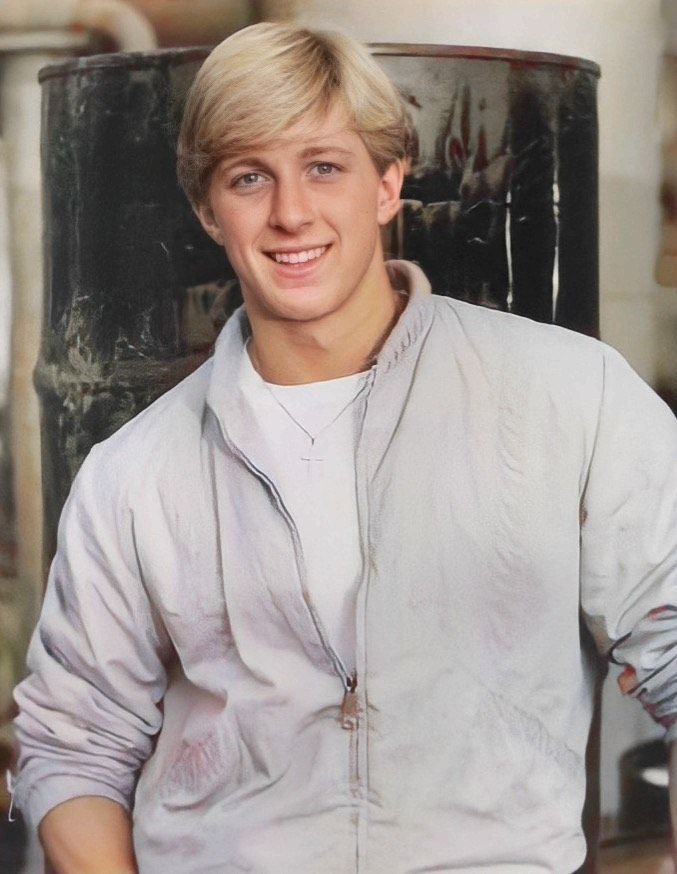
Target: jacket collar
x=416, y=316
x=223, y=394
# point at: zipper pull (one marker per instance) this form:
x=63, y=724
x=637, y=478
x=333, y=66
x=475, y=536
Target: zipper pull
x=350, y=710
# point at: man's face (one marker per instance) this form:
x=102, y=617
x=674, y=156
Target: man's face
x=299, y=220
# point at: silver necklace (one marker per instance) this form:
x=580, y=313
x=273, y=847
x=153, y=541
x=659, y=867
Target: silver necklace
x=311, y=456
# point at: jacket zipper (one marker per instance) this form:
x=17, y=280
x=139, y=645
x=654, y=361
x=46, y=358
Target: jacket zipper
x=350, y=721
x=350, y=712
x=349, y=681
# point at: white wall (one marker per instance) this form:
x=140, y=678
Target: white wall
x=667, y=323
x=5, y=285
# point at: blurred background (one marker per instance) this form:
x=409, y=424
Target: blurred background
x=635, y=43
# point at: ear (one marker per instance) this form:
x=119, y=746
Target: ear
x=206, y=218
x=390, y=187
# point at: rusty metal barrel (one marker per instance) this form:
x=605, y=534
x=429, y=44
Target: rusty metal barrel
x=500, y=208
x=501, y=204
x=128, y=270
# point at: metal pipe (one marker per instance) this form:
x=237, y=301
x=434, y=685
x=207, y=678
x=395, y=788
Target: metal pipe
x=20, y=61
x=128, y=28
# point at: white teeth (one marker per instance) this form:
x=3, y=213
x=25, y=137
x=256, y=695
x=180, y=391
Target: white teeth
x=298, y=257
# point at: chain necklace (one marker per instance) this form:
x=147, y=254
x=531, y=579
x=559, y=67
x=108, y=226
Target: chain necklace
x=400, y=304
x=310, y=457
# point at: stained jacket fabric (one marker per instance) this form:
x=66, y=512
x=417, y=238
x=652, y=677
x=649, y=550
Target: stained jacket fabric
x=513, y=479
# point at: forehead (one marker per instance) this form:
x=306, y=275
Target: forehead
x=316, y=126
x=313, y=133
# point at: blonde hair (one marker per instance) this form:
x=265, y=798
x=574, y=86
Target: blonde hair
x=265, y=78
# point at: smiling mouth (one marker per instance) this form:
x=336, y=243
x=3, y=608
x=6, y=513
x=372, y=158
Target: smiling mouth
x=301, y=256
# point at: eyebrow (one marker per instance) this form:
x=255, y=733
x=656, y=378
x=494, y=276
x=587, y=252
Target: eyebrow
x=312, y=151
x=319, y=150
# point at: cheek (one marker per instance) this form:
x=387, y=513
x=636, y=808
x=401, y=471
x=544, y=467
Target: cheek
x=367, y=198
x=240, y=232
x=357, y=209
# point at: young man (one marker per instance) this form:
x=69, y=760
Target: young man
x=317, y=608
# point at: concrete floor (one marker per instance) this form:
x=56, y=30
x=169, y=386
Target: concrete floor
x=647, y=857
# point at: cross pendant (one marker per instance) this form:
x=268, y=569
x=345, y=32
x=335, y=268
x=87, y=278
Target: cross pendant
x=310, y=459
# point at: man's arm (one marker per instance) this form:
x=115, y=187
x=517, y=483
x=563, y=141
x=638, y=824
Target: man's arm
x=629, y=544
x=88, y=835
x=90, y=708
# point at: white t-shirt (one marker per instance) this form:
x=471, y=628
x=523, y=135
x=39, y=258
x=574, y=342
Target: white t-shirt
x=317, y=482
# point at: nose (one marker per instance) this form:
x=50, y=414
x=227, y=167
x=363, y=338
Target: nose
x=291, y=208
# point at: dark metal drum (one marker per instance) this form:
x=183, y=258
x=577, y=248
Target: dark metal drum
x=500, y=208
x=129, y=273
x=645, y=802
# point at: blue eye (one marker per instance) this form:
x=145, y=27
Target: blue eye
x=325, y=169
x=247, y=180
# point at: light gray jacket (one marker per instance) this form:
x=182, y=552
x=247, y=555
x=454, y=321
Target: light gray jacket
x=511, y=478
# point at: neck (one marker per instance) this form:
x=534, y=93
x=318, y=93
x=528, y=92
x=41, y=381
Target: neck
x=342, y=343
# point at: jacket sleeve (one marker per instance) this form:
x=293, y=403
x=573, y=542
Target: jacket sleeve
x=90, y=707
x=629, y=539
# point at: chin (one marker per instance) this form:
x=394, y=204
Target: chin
x=306, y=313
x=308, y=305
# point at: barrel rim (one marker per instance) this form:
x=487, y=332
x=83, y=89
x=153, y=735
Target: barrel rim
x=487, y=53
x=128, y=60
x=136, y=60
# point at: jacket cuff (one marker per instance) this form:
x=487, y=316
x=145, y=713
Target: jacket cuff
x=671, y=734
x=38, y=799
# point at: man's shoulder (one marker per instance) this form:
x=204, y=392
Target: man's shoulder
x=508, y=328
x=167, y=431
x=517, y=345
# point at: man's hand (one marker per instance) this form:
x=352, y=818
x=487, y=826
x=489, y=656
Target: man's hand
x=88, y=835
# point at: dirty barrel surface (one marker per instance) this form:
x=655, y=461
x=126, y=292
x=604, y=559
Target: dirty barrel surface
x=501, y=203
x=129, y=274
